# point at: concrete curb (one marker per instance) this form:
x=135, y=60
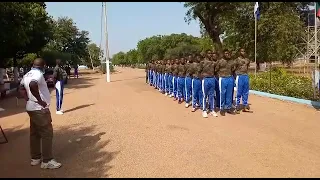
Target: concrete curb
x=286, y=98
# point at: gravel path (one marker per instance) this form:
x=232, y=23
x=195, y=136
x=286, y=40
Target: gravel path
x=128, y=129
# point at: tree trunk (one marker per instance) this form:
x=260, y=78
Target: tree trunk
x=15, y=69
x=217, y=42
x=258, y=66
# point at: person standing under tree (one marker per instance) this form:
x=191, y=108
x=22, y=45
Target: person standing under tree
x=59, y=85
x=242, y=81
x=76, y=72
x=34, y=89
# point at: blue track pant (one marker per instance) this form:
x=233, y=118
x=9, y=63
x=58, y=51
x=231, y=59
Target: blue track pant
x=170, y=84
x=150, y=77
x=242, y=85
x=153, y=78
x=188, y=89
x=208, y=85
x=59, y=94
x=217, y=92
x=196, y=92
x=181, y=89
x=163, y=86
x=226, y=85
x=175, y=86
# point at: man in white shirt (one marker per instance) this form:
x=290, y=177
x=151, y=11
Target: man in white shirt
x=33, y=88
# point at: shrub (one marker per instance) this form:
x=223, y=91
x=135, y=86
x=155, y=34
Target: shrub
x=283, y=83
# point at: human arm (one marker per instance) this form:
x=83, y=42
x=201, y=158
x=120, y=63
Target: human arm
x=23, y=91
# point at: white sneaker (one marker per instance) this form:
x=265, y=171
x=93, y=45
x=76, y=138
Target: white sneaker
x=204, y=114
x=187, y=105
x=214, y=114
x=35, y=162
x=170, y=95
x=166, y=94
x=52, y=164
x=59, y=112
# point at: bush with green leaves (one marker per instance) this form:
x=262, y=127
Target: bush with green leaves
x=282, y=83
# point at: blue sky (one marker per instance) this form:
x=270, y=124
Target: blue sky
x=127, y=22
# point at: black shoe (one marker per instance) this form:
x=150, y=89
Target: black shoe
x=246, y=109
x=222, y=113
x=231, y=112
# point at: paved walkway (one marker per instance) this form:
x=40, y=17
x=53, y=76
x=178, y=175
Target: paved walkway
x=128, y=129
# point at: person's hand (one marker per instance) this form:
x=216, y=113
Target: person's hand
x=42, y=103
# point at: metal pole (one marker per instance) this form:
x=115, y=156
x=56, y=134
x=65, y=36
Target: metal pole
x=315, y=35
x=255, y=46
x=107, y=44
x=315, y=44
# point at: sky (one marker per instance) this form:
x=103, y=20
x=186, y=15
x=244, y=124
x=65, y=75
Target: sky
x=128, y=22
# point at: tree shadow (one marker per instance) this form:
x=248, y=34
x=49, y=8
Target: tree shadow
x=78, y=107
x=81, y=152
x=128, y=79
x=316, y=105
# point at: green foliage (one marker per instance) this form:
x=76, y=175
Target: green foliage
x=210, y=16
x=67, y=38
x=94, y=53
x=25, y=28
x=283, y=83
x=160, y=47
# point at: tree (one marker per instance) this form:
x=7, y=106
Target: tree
x=210, y=15
x=69, y=41
x=25, y=28
x=280, y=29
x=94, y=56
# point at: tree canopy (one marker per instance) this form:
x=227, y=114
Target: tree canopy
x=162, y=46
x=279, y=31
x=27, y=31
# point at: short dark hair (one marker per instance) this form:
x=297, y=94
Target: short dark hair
x=226, y=50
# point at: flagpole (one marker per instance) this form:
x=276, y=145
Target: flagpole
x=107, y=44
x=315, y=35
x=255, y=45
x=316, y=46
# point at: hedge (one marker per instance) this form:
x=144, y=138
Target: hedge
x=283, y=83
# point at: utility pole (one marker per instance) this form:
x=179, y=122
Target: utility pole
x=107, y=44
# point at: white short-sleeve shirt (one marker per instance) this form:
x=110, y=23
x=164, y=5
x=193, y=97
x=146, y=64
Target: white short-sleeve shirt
x=37, y=76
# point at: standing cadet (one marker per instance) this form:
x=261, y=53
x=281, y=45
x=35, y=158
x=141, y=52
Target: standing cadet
x=59, y=85
x=163, y=71
x=175, y=79
x=225, y=68
x=147, y=73
x=167, y=77
x=242, y=81
x=196, y=69
x=188, y=80
x=171, y=78
x=181, y=80
x=208, y=83
x=150, y=73
x=214, y=58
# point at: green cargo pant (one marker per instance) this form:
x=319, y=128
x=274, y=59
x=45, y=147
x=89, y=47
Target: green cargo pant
x=41, y=134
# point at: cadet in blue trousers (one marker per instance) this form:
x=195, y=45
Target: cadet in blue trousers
x=242, y=81
x=225, y=68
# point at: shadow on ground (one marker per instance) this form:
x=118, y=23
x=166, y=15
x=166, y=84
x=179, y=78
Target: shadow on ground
x=9, y=103
x=316, y=105
x=82, y=153
x=128, y=79
x=79, y=107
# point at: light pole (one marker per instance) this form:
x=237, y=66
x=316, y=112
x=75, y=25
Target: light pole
x=107, y=44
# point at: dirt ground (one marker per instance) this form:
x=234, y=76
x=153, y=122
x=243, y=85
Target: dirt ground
x=128, y=129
